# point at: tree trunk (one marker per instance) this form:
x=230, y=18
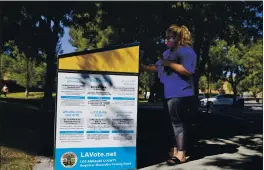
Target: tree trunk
x=198, y=44
x=27, y=78
x=197, y=49
x=1, y=44
x=50, y=74
x=49, y=80
x=255, y=96
x=50, y=70
x=152, y=88
x=26, y=93
x=201, y=43
x=201, y=70
x=234, y=85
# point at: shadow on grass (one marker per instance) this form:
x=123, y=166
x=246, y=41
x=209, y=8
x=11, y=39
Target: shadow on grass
x=32, y=131
x=26, y=129
x=31, y=102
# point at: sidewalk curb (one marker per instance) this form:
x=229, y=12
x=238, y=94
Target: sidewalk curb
x=43, y=163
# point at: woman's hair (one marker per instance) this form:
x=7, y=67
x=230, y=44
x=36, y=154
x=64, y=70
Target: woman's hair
x=183, y=35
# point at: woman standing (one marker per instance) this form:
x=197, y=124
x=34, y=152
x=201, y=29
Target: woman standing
x=176, y=70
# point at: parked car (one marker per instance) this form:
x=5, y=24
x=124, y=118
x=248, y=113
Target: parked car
x=221, y=99
x=201, y=96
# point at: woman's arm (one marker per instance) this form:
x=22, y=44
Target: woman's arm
x=149, y=68
x=179, y=68
x=187, y=62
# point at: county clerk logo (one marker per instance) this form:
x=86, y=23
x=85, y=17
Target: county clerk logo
x=68, y=160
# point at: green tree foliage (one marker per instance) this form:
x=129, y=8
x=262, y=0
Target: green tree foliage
x=229, y=87
x=144, y=81
x=253, y=60
x=26, y=71
x=1, y=41
x=240, y=65
x=218, y=86
x=206, y=21
x=136, y=21
x=87, y=30
x=36, y=29
x=203, y=83
x=214, y=85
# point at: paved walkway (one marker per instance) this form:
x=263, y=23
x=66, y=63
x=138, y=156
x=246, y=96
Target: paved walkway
x=43, y=163
x=226, y=161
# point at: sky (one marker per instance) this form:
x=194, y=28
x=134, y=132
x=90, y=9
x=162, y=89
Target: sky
x=66, y=46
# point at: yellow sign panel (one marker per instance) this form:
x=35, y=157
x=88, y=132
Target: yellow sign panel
x=123, y=60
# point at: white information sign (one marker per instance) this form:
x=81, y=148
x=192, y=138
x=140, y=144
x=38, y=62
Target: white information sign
x=96, y=121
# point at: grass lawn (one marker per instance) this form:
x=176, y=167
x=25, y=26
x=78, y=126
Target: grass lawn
x=141, y=99
x=13, y=159
x=32, y=95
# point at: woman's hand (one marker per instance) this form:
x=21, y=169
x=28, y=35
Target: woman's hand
x=142, y=67
x=150, y=68
x=165, y=62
